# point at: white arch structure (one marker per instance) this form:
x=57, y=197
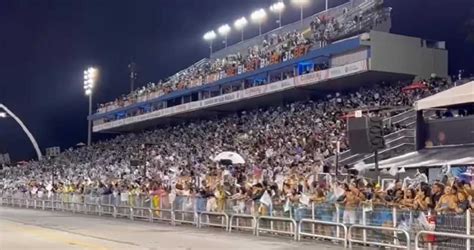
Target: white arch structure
x=25, y=129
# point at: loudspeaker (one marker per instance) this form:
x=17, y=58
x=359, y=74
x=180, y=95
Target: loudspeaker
x=365, y=135
x=326, y=169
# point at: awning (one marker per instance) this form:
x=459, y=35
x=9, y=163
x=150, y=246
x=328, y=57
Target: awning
x=432, y=157
x=457, y=95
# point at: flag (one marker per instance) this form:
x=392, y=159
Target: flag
x=287, y=206
x=393, y=170
x=304, y=199
x=266, y=199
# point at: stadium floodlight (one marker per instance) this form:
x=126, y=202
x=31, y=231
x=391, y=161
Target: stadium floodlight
x=90, y=77
x=258, y=16
x=301, y=4
x=210, y=36
x=224, y=31
x=3, y=115
x=278, y=8
x=240, y=24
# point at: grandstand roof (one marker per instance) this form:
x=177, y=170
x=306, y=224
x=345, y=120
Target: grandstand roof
x=458, y=95
x=432, y=157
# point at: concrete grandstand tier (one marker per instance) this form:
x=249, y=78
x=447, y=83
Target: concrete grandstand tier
x=352, y=63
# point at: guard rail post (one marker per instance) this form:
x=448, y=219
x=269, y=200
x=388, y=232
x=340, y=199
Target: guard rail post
x=468, y=228
x=364, y=222
x=338, y=219
x=394, y=220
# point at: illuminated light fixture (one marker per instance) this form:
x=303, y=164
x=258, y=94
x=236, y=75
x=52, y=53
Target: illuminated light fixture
x=240, y=24
x=224, y=31
x=301, y=4
x=258, y=16
x=278, y=8
x=210, y=36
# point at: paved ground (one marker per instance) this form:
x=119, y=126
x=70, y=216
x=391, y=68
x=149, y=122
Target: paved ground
x=34, y=229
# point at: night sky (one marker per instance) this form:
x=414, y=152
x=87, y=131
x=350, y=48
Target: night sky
x=46, y=45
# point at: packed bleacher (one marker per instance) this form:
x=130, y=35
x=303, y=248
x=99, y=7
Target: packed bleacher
x=276, y=141
x=274, y=49
x=284, y=148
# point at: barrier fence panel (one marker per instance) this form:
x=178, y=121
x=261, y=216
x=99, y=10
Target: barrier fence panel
x=184, y=210
x=452, y=223
x=124, y=211
x=142, y=213
x=242, y=222
x=92, y=208
x=106, y=209
x=375, y=225
x=213, y=219
x=353, y=238
x=333, y=236
x=292, y=222
x=463, y=237
x=161, y=208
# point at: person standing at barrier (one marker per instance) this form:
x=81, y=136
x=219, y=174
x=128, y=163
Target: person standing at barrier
x=220, y=198
x=448, y=202
x=351, y=202
x=422, y=200
x=437, y=191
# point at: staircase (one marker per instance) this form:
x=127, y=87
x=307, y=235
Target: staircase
x=396, y=143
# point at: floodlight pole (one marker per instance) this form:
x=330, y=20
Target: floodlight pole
x=279, y=19
x=25, y=129
x=301, y=14
x=89, y=122
x=210, y=48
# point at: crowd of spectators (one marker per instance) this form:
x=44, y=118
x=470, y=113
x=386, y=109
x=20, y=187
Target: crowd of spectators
x=274, y=49
x=277, y=141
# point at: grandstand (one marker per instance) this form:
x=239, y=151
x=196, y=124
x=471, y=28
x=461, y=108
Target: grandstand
x=276, y=108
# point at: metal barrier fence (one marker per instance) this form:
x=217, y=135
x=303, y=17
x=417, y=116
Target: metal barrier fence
x=378, y=243
x=293, y=227
x=378, y=226
x=466, y=237
x=330, y=236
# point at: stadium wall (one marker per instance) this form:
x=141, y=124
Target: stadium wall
x=407, y=55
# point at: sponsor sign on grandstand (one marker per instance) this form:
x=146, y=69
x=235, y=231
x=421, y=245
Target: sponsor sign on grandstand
x=221, y=99
x=281, y=85
x=194, y=105
x=255, y=91
x=311, y=78
x=306, y=79
x=347, y=69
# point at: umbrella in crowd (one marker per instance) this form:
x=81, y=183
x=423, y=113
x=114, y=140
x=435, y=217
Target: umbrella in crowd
x=232, y=157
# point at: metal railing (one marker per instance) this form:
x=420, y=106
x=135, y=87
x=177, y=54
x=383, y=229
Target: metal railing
x=237, y=219
x=378, y=243
x=467, y=237
x=379, y=225
x=222, y=220
x=293, y=226
x=322, y=236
